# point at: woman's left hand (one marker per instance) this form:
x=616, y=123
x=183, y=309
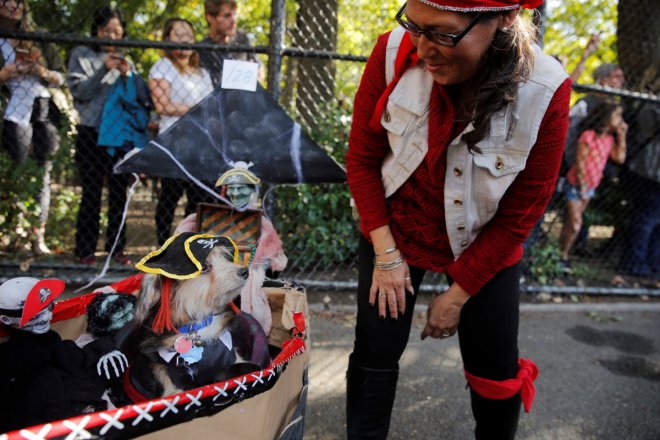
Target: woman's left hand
x=444, y=313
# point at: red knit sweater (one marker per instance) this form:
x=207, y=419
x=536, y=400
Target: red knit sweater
x=416, y=211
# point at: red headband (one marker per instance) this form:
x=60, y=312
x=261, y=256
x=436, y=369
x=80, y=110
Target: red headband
x=481, y=5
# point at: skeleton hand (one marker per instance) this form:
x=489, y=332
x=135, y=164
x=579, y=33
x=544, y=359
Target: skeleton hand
x=105, y=289
x=115, y=358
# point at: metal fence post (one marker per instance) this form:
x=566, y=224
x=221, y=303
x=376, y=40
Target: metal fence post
x=276, y=46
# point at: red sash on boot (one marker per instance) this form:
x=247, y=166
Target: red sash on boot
x=504, y=389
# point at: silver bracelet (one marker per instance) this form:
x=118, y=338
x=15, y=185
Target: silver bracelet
x=387, y=251
x=380, y=265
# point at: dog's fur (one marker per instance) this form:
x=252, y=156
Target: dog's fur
x=190, y=301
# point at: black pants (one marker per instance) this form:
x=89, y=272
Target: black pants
x=488, y=331
x=39, y=139
x=171, y=191
x=94, y=168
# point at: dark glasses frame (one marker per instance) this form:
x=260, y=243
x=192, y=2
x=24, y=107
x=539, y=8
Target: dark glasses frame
x=441, y=38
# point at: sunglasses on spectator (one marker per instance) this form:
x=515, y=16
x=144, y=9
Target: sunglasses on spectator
x=440, y=38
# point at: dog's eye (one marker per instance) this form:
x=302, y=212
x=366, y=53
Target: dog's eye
x=207, y=268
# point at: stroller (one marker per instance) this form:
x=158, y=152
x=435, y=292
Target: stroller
x=266, y=404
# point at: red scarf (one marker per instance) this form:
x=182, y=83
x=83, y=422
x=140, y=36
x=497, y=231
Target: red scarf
x=504, y=389
x=406, y=58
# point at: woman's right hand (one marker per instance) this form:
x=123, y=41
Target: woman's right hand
x=112, y=61
x=388, y=290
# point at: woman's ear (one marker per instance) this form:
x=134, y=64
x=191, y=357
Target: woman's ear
x=506, y=20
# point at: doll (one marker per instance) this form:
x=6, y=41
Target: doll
x=43, y=377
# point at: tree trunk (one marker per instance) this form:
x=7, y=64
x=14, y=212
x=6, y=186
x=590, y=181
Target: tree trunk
x=638, y=39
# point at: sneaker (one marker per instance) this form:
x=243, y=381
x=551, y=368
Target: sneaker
x=123, y=259
x=565, y=266
x=90, y=260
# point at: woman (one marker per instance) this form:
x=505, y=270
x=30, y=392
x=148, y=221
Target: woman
x=29, y=126
x=92, y=71
x=177, y=83
x=602, y=136
x=458, y=130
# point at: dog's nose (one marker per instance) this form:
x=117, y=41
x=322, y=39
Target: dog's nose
x=243, y=272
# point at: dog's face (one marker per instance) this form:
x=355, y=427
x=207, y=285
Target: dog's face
x=196, y=298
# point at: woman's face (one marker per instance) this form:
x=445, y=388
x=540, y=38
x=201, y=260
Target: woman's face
x=452, y=65
x=617, y=118
x=113, y=30
x=11, y=9
x=181, y=32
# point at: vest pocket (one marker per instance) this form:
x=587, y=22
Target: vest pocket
x=396, y=119
x=494, y=172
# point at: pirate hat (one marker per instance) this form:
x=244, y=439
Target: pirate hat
x=182, y=256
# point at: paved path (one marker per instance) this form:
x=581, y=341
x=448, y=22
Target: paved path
x=600, y=375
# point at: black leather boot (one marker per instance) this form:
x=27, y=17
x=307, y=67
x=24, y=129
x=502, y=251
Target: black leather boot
x=496, y=419
x=369, y=399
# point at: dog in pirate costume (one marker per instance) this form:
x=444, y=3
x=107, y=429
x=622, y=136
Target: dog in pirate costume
x=43, y=377
x=189, y=332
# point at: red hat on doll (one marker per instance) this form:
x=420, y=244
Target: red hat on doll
x=25, y=297
x=481, y=5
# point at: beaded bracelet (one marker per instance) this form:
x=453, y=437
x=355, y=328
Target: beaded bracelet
x=388, y=265
x=387, y=251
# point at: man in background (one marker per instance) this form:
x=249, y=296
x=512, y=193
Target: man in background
x=222, y=18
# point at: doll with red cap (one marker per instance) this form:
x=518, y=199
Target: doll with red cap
x=43, y=377
x=457, y=135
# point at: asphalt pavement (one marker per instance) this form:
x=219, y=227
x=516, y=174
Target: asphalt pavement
x=599, y=375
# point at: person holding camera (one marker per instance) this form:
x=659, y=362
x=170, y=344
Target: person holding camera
x=30, y=121
x=92, y=71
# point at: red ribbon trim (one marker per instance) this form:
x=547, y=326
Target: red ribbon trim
x=504, y=389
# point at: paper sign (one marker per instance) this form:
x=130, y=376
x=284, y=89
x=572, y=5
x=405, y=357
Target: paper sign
x=240, y=75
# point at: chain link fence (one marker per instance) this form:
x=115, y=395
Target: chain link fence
x=311, y=56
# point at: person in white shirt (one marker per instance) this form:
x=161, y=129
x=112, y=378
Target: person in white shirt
x=30, y=120
x=177, y=83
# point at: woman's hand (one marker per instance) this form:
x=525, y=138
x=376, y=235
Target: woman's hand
x=112, y=61
x=622, y=130
x=124, y=67
x=388, y=290
x=444, y=313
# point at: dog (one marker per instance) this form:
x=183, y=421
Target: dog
x=189, y=332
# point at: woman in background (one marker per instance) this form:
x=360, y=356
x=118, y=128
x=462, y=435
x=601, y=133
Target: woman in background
x=92, y=71
x=27, y=71
x=177, y=83
x=602, y=136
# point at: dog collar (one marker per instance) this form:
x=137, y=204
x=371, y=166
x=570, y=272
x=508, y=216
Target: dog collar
x=196, y=326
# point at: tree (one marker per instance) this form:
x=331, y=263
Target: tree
x=638, y=37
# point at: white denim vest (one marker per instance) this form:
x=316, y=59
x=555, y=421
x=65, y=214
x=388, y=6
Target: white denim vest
x=474, y=183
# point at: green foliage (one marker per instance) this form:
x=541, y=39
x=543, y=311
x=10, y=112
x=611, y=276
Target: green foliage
x=318, y=218
x=19, y=186
x=571, y=23
x=542, y=262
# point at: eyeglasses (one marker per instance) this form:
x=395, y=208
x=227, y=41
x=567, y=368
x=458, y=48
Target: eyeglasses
x=441, y=38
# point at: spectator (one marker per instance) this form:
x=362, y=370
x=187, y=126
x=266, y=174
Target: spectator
x=641, y=258
x=92, y=72
x=596, y=144
x=221, y=16
x=177, y=83
x=608, y=75
x=31, y=120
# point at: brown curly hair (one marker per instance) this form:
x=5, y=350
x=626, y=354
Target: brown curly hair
x=508, y=62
